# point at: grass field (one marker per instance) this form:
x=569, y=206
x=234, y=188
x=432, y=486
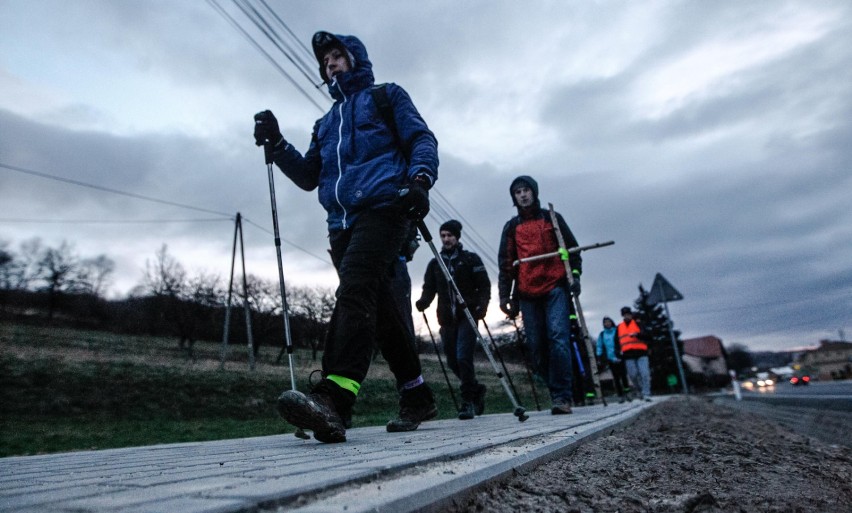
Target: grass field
x=64, y=390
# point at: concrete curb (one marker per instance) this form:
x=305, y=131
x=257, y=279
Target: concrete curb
x=373, y=471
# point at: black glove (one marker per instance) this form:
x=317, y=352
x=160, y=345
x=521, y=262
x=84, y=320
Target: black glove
x=509, y=307
x=414, y=200
x=479, y=311
x=575, y=286
x=266, y=129
x=421, y=305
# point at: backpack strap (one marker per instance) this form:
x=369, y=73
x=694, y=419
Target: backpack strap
x=385, y=107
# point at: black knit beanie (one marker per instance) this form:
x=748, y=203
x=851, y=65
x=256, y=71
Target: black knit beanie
x=453, y=227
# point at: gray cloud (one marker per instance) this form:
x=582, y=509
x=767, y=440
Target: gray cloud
x=737, y=192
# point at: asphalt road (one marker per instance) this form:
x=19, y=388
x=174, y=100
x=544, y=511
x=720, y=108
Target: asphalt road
x=824, y=395
x=822, y=410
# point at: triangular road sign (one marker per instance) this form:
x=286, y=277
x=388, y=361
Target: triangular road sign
x=662, y=291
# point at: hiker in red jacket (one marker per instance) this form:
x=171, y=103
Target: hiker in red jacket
x=540, y=287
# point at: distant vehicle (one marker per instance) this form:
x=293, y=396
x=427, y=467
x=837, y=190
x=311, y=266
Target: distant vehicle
x=800, y=380
x=764, y=380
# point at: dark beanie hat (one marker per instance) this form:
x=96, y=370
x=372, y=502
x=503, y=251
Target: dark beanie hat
x=626, y=309
x=453, y=227
x=525, y=180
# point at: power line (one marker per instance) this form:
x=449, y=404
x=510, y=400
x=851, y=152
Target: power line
x=473, y=236
x=137, y=196
x=272, y=35
x=113, y=191
x=442, y=210
x=304, y=57
x=303, y=250
x=111, y=221
x=298, y=41
x=260, y=49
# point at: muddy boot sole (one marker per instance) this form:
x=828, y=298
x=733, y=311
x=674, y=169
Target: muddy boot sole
x=304, y=412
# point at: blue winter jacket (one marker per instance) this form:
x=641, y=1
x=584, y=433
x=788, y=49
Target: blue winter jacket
x=354, y=158
x=606, y=340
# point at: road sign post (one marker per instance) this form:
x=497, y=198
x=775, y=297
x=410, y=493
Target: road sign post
x=662, y=292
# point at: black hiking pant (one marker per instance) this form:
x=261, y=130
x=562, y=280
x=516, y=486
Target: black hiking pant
x=365, y=314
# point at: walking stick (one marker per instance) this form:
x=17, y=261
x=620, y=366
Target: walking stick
x=526, y=365
x=593, y=366
x=427, y=236
x=443, y=369
x=500, y=357
x=267, y=151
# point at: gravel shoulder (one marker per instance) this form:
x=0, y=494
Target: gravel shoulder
x=684, y=455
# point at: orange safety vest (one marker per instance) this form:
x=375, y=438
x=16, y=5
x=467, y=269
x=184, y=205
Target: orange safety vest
x=627, y=337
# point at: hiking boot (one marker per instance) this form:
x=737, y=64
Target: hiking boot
x=415, y=406
x=479, y=400
x=467, y=411
x=560, y=408
x=315, y=411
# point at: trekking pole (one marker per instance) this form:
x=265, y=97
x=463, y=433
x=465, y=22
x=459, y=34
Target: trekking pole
x=267, y=151
x=526, y=365
x=441, y=361
x=573, y=250
x=427, y=236
x=593, y=366
x=500, y=357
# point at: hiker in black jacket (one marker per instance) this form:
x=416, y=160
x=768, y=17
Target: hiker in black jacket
x=457, y=332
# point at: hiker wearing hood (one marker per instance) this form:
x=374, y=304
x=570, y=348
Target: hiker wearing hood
x=372, y=172
x=539, y=289
x=608, y=351
x=457, y=333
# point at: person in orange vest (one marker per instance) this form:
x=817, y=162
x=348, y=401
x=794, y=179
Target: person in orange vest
x=634, y=351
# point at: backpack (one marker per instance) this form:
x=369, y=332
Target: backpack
x=385, y=107
x=383, y=103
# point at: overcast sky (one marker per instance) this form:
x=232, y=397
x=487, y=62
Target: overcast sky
x=710, y=140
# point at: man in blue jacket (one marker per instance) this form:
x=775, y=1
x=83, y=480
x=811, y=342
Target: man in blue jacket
x=373, y=180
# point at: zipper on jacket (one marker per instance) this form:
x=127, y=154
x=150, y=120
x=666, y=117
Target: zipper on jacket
x=339, y=164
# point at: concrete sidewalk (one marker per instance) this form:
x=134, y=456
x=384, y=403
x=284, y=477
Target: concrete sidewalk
x=373, y=471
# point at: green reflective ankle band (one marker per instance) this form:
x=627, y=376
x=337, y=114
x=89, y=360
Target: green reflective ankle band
x=345, y=383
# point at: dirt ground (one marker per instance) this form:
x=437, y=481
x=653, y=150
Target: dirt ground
x=685, y=455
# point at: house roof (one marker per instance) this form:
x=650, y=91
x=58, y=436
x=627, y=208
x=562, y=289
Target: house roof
x=704, y=347
x=831, y=345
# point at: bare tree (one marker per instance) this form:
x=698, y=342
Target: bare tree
x=7, y=273
x=314, y=305
x=26, y=270
x=265, y=300
x=58, y=269
x=95, y=275
x=165, y=276
x=7, y=266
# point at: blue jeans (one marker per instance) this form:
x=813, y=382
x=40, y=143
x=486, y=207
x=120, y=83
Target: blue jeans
x=459, y=344
x=548, y=331
x=639, y=373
